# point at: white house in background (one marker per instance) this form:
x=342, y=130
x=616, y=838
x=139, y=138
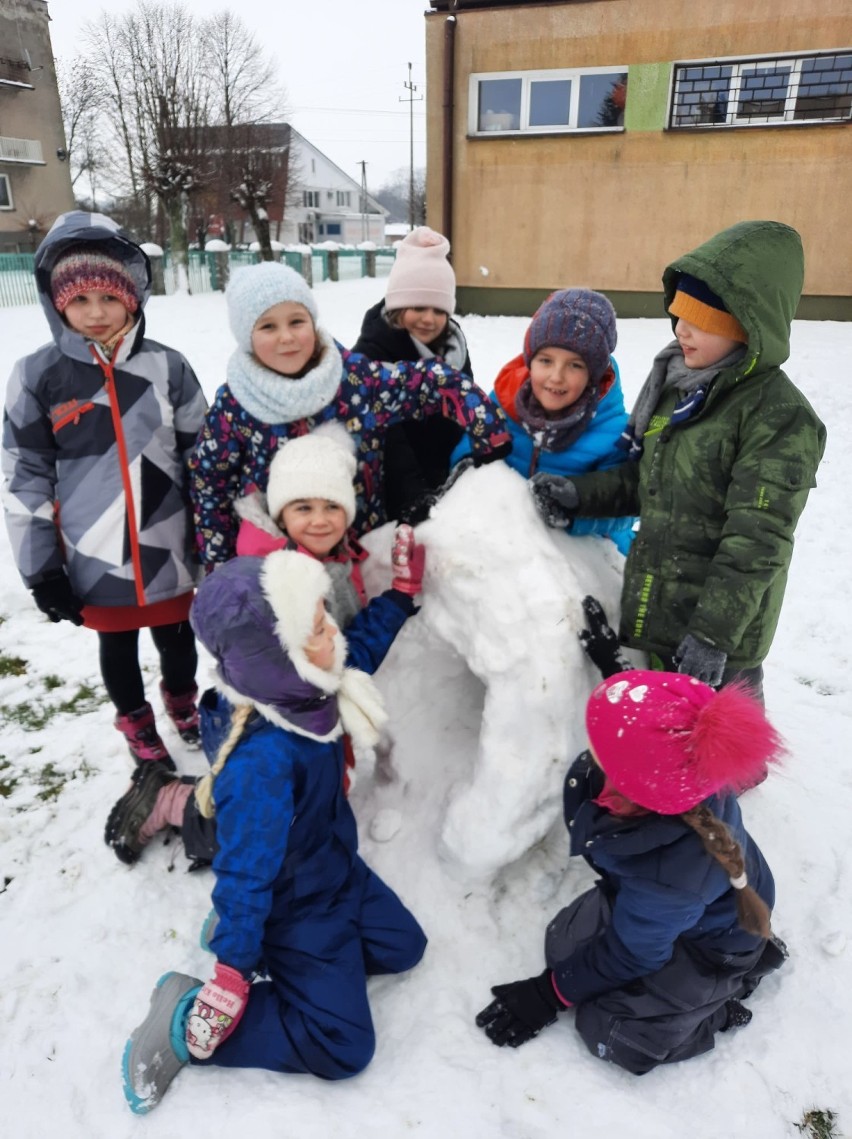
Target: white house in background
x=328, y=204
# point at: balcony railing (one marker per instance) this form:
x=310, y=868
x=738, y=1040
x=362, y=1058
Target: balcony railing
x=21, y=150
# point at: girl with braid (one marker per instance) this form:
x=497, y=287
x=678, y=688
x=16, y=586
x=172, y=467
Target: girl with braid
x=657, y=957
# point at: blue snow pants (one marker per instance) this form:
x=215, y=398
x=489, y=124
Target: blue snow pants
x=312, y=1015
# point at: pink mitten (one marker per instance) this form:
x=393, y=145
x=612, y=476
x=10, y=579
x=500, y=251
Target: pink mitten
x=407, y=561
x=216, y=1011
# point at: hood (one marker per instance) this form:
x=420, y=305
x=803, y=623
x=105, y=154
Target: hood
x=757, y=268
x=249, y=617
x=76, y=228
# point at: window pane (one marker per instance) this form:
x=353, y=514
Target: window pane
x=763, y=91
x=499, y=105
x=602, y=100
x=550, y=102
x=5, y=196
x=701, y=95
x=825, y=88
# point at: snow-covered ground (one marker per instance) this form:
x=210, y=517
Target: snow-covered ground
x=83, y=938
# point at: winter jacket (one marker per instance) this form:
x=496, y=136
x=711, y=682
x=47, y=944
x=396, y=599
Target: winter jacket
x=95, y=450
x=594, y=450
x=719, y=495
x=287, y=836
x=234, y=449
x=259, y=535
x=381, y=341
x=662, y=886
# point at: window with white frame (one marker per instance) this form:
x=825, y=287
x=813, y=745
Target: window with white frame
x=311, y=198
x=6, y=202
x=763, y=92
x=344, y=197
x=548, y=102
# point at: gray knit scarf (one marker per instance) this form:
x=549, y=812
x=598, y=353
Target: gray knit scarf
x=275, y=398
x=669, y=370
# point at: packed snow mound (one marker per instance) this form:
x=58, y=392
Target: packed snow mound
x=505, y=593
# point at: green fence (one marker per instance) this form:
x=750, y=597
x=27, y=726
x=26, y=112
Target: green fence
x=208, y=272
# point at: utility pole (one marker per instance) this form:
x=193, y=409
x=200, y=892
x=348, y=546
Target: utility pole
x=411, y=99
x=364, y=233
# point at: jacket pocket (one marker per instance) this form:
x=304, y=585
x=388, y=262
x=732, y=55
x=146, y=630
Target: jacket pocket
x=71, y=416
x=786, y=474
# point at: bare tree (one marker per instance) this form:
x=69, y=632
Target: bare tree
x=394, y=195
x=155, y=85
x=79, y=95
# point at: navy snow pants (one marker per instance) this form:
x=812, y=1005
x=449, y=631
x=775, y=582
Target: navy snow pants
x=313, y=1015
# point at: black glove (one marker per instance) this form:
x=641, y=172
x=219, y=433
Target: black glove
x=55, y=597
x=521, y=1010
x=556, y=499
x=698, y=659
x=501, y=451
x=600, y=640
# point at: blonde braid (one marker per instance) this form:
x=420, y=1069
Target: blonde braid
x=752, y=911
x=204, y=786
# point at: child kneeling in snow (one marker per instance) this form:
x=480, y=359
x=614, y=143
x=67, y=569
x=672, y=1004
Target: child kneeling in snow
x=658, y=955
x=563, y=400
x=295, y=903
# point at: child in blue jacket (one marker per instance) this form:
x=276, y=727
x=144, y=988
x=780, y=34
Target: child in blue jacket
x=563, y=401
x=657, y=956
x=302, y=921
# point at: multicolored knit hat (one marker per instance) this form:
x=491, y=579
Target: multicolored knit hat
x=667, y=741
x=577, y=320
x=88, y=269
x=698, y=304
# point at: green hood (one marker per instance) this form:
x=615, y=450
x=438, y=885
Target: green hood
x=757, y=268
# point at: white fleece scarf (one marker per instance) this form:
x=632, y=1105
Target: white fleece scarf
x=275, y=398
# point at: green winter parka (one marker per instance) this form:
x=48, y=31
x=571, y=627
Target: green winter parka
x=719, y=495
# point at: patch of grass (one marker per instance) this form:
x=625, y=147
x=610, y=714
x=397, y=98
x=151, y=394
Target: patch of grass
x=51, y=682
x=819, y=1123
x=32, y=716
x=8, y=780
x=12, y=666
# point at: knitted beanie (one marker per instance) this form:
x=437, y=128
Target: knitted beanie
x=255, y=288
x=577, y=320
x=421, y=276
x=696, y=303
x=319, y=465
x=89, y=269
x=667, y=741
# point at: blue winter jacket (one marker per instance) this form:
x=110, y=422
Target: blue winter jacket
x=594, y=450
x=287, y=836
x=662, y=886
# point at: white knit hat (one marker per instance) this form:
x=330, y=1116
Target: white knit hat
x=255, y=288
x=421, y=276
x=319, y=465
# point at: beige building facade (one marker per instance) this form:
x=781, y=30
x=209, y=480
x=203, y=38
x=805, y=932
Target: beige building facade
x=589, y=142
x=35, y=184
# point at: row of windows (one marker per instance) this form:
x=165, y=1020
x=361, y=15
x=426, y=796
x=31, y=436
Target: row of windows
x=312, y=198
x=721, y=93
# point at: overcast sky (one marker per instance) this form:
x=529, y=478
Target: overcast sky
x=343, y=65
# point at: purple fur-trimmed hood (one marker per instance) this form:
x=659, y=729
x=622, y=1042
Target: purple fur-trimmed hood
x=253, y=615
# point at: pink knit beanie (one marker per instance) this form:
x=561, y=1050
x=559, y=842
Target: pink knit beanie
x=667, y=741
x=421, y=276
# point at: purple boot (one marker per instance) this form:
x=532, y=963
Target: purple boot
x=183, y=713
x=142, y=737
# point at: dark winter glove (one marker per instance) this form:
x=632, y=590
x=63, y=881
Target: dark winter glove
x=55, y=597
x=698, y=659
x=600, y=640
x=502, y=450
x=520, y=1011
x=556, y=499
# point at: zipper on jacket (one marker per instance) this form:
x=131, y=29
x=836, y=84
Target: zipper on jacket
x=536, y=451
x=72, y=416
x=106, y=367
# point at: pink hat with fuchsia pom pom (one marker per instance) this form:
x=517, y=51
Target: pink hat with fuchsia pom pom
x=667, y=741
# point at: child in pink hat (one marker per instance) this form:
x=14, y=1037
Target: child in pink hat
x=658, y=955
x=415, y=322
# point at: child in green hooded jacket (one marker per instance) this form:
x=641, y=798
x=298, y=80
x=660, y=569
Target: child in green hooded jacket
x=721, y=452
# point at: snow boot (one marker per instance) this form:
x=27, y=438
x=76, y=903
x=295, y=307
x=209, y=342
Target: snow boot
x=134, y=808
x=142, y=737
x=156, y=1050
x=183, y=713
x=736, y=1015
